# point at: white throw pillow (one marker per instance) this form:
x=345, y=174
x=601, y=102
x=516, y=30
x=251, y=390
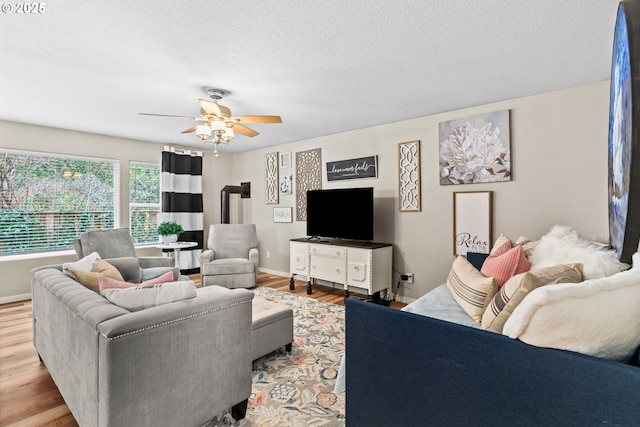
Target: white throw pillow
x=141, y=297
x=85, y=264
x=600, y=317
x=563, y=245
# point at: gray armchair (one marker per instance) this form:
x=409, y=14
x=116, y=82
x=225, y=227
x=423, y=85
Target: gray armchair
x=231, y=258
x=116, y=247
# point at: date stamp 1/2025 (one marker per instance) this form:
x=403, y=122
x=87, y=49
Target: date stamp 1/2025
x=23, y=8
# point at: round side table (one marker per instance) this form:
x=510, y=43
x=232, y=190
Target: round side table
x=175, y=247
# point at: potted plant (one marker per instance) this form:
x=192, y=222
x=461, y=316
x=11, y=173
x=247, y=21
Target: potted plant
x=169, y=231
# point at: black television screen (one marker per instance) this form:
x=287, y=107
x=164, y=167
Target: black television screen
x=344, y=213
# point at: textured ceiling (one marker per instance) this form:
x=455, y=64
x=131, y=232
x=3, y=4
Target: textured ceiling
x=325, y=66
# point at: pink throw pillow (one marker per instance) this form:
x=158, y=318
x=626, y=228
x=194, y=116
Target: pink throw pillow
x=505, y=263
x=108, y=283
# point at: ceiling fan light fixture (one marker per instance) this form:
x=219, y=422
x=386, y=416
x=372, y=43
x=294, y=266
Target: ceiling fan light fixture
x=203, y=132
x=217, y=125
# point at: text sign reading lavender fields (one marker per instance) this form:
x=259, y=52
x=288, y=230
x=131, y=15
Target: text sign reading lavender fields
x=363, y=167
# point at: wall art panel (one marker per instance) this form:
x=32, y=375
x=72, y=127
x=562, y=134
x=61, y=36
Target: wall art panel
x=308, y=177
x=409, y=176
x=271, y=183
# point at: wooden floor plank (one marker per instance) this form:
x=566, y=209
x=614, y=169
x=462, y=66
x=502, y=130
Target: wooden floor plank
x=28, y=395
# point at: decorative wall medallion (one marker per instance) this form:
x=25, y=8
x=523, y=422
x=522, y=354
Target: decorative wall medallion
x=271, y=178
x=308, y=177
x=409, y=176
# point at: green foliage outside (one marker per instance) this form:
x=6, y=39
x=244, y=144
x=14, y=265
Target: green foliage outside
x=45, y=202
x=144, y=194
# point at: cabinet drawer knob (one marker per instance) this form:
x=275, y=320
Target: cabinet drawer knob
x=338, y=270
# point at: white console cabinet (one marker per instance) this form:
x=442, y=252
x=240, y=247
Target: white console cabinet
x=364, y=267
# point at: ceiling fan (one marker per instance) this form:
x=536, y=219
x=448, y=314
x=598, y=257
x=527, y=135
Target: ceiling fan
x=218, y=125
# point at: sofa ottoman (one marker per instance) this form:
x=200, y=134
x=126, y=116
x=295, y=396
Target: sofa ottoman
x=272, y=327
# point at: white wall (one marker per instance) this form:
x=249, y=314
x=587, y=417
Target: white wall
x=559, y=165
x=14, y=270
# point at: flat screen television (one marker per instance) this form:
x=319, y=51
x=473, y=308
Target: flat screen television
x=342, y=213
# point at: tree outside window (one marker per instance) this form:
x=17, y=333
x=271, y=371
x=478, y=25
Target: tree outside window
x=46, y=201
x=144, y=201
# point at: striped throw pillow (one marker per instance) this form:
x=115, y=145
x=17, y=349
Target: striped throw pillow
x=519, y=286
x=471, y=290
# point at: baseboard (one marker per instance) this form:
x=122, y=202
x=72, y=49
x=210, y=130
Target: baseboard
x=274, y=272
x=15, y=298
x=399, y=298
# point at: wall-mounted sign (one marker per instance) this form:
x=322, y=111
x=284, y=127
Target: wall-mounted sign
x=363, y=167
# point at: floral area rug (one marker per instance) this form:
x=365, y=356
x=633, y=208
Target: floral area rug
x=296, y=389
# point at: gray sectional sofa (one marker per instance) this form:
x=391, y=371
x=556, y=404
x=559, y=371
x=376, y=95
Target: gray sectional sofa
x=178, y=364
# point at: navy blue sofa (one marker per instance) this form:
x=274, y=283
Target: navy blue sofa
x=405, y=369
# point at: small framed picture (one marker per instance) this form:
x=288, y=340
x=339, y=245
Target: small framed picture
x=285, y=160
x=282, y=214
x=471, y=222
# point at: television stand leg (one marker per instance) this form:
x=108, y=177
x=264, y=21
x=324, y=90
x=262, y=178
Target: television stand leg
x=309, y=287
x=346, y=294
x=292, y=284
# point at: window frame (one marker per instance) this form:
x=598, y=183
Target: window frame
x=135, y=204
x=115, y=163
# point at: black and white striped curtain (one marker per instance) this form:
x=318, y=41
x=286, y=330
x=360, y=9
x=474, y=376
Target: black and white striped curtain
x=181, y=187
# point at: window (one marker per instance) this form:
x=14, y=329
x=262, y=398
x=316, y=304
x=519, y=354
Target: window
x=48, y=200
x=144, y=202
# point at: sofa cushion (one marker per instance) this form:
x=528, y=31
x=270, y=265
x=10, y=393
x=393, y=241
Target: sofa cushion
x=563, y=245
x=228, y=266
x=516, y=288
x=440, y=304
x=505, y=262
x=91, y=279
x=599, y=317
x=109, y=283
x=85, y=264
x=471, y=290
x=142, y=297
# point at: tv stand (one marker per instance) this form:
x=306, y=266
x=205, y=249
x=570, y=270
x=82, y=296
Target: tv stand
x=363, y=266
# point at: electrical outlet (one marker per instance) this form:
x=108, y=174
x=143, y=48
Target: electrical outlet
x=268, y=254
x=407, y=277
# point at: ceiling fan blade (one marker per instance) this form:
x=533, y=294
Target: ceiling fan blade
x=209, y=107
x=258, y=119
x=191, y=129
x=243, y=130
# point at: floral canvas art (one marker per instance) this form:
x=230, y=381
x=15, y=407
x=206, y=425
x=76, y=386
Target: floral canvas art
x=475, y=149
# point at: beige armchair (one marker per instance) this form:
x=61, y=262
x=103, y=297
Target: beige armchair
x=231, y=258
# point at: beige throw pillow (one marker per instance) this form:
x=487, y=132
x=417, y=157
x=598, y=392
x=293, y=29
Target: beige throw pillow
x=471, y=290
x=91, y=279
x=516, y=288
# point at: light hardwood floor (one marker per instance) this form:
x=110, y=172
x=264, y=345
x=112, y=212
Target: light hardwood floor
x=28, y=396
